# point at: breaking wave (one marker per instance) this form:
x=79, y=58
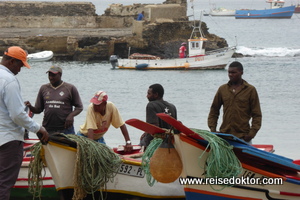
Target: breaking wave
x=268, y=52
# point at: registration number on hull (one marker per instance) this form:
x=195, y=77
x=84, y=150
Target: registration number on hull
x=131, y=170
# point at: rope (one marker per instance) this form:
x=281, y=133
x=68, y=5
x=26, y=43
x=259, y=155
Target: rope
x=221, y=161
x=35, y=176
x=154, y=144
x=95, y=165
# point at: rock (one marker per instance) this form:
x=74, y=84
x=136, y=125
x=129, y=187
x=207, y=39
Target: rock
x=73, y=31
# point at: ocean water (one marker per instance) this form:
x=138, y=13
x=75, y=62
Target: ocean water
x=271, y=64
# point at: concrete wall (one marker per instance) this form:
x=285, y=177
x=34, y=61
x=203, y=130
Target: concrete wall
x=166, y=12
x=118, y=16
x=26, y=14
x=48, y=22
x=137, y=28
x=30, y=14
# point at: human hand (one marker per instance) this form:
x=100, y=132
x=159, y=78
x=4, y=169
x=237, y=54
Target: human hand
x=247, y=138
x=27, y=103
x=43, y=135
x=143, y=135
x=128, y=148
x=69, y=121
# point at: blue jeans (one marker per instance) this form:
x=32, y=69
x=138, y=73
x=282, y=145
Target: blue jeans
x=100, y=140
x=69, y=130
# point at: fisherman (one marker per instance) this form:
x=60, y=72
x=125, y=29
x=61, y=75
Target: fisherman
x=240, y=103
x=13, y=119
x=156, y=104
x=100, y=115
x=182, y=50
x=60, y=102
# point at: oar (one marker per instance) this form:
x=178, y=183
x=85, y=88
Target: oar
x=144, y=126
x=182, y=128
x=179, y=126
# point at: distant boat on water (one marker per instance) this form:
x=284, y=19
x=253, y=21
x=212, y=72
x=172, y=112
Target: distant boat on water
x=276, y=11
x=222, y=12
x=297, y=8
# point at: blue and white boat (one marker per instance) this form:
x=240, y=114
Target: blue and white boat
x=276, y=11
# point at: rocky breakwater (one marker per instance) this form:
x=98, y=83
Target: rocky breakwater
x=73, y=31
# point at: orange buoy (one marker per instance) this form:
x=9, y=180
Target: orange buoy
x=165, y=164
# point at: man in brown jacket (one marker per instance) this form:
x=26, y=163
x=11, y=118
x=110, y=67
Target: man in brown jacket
x=240, y=104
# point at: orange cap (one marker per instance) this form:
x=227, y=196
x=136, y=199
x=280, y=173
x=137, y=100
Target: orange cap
x=18, y=53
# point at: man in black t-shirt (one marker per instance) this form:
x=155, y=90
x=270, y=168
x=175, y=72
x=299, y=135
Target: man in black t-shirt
x=157, y=105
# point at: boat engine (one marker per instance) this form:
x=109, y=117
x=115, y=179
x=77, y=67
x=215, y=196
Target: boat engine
x=113, y=61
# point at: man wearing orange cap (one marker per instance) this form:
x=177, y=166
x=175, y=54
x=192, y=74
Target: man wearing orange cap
x=100, y=115
x=14, y=119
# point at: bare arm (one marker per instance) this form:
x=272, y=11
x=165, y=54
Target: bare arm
x=32, y=108
x=128, y=147
x=90, y=134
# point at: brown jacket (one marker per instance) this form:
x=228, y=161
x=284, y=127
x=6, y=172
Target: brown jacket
x=238, y=109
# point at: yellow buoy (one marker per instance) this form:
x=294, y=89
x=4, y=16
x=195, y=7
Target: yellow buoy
x=165, y=164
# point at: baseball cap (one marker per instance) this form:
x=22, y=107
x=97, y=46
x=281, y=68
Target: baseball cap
x=18, y=53
x=55, y=70
x=99, y=97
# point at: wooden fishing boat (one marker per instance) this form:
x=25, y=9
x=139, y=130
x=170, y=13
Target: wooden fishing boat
x=276, y=11
x=198, y=58
x=130, y=181
x=256, y=166
x=21, y=187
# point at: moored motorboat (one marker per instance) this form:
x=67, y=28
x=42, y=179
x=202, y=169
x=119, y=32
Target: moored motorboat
x=198, y=58
x=276, y=11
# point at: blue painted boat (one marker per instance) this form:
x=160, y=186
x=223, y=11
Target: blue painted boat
x=276, y=11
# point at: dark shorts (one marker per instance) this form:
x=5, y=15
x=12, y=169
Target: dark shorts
x=11, y=156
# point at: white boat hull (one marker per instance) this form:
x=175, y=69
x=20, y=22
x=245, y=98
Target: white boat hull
x=40, y=56
x=222, y=12
x=213, y=60
x=62, y=169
